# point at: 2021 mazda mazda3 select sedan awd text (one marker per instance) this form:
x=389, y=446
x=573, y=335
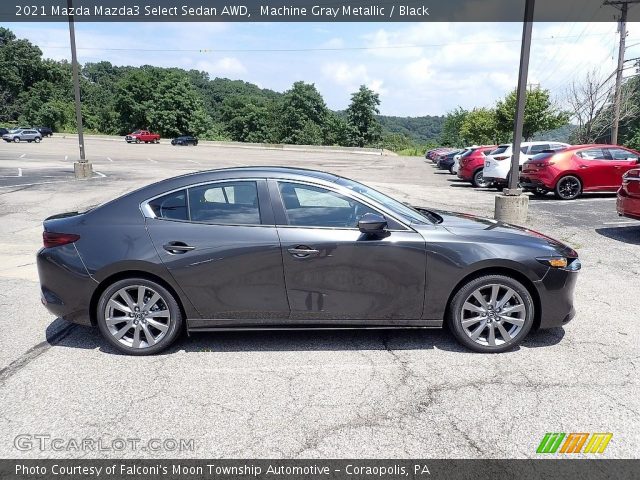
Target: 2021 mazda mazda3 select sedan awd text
x=291, y=248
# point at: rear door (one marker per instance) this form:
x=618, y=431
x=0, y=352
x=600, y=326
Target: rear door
x=336, y=274
x=594, y=168
x=219, y=242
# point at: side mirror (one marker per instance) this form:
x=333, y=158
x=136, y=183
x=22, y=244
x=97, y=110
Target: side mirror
x=372, y=223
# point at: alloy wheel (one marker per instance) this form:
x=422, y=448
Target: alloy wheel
x=568, y=188
x=137, y=316
x=493, y=314
x=479, y=181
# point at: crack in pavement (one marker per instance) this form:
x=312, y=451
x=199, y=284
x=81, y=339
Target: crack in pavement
x=34, y=352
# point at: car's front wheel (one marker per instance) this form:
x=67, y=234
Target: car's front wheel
x=491, y=314
x=16, y=139
x=138, y=316
x=37, y=139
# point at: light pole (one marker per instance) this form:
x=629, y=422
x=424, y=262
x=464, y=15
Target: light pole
x=512, y=206
x=82, y=169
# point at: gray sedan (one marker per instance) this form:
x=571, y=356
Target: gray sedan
x=274, y=248
x=22, y=135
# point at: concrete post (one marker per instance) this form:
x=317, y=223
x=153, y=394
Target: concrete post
x=512, y=209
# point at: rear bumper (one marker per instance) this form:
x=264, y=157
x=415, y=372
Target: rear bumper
x=556, y=292
x=65, y=285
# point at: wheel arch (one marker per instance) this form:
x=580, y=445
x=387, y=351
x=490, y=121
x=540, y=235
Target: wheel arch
x=506, y=271
x=110, y=280
x=569, y=173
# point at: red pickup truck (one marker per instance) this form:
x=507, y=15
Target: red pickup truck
x=142, y=136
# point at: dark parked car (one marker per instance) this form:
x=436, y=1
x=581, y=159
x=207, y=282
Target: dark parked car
x=270, y=247
x=44, y=131
x=3, y=131
x=185, y=140
x=445, y=162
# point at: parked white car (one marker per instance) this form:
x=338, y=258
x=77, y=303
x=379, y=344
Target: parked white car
x=497, y=164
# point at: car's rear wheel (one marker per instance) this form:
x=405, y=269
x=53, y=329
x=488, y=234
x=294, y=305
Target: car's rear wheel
x=568, y=188
x=539, y=192
x=478, y=180
x=491, y=314
x=138, y=316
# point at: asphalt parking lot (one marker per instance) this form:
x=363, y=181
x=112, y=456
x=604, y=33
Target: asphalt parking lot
x=379, y=394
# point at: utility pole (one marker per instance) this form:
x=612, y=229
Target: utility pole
x=512, y=206
x=623, y=5
x=83, y=168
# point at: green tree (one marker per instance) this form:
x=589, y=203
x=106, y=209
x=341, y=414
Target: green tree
x=176, y=109
x=451, y=127
x=247, y=118
x=301, y=115
x=540, y=113
x=364, y=127
x=480, y=127
x=337, y=131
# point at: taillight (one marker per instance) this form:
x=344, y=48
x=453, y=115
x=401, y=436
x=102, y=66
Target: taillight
x=632, y=174
x=502, y=158
x=54, y=239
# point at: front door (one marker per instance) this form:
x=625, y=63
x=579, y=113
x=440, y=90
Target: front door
x=336, y=274
x=220, y=244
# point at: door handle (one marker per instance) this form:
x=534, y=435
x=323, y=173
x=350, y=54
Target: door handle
x=584, y=166
x=302, y=251
x=178, y=247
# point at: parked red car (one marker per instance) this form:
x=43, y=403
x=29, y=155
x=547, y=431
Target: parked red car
x=628, y=203
x=472, y=163
x=142, y=136
x=577, y=169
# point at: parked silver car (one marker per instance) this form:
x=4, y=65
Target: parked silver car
x=23, y=135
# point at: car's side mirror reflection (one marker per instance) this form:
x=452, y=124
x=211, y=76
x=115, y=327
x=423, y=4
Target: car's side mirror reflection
x=372, y=223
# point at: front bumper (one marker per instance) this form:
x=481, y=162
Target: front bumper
x=65, y=284
x=556, y=291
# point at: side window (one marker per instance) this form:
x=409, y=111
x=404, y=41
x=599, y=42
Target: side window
x=535, y=149
x=524, y=149
x=620, y=154
x=231, y=203
x=310, y=206
x=172, y=206
x=592, y=154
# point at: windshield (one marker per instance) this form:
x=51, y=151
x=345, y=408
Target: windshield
x=395, y=206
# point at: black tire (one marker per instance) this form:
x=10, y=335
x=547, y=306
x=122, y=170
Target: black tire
x=451, y=170
x=539, y=192
x=456, y=312
x=568, y=188
x=16, y=139
x=171, y=303
x=137, y=140
x=37, y=139
x=477, y=179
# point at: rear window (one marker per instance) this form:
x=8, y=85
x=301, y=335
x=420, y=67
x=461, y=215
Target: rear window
x=543, y=155
x=535, y=149
x=467, y=153
x=172, y=206
x=233, y=203
x=499, y=150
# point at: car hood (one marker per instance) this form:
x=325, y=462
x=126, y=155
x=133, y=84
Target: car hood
x=483, y=229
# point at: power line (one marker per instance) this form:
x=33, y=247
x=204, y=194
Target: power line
x=313, y=49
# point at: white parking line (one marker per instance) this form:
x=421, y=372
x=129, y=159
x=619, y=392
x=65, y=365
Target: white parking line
x=152, y=160
x=13, y=176
x=193, y=161
x=623, y=222
x=109, y=158
x=66, y=157
x=100, y=173
x=23, y=155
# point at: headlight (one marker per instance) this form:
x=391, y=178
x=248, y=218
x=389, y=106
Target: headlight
x=572, y=264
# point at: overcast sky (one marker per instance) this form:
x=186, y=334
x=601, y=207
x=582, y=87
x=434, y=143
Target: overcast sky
x=418, y=69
